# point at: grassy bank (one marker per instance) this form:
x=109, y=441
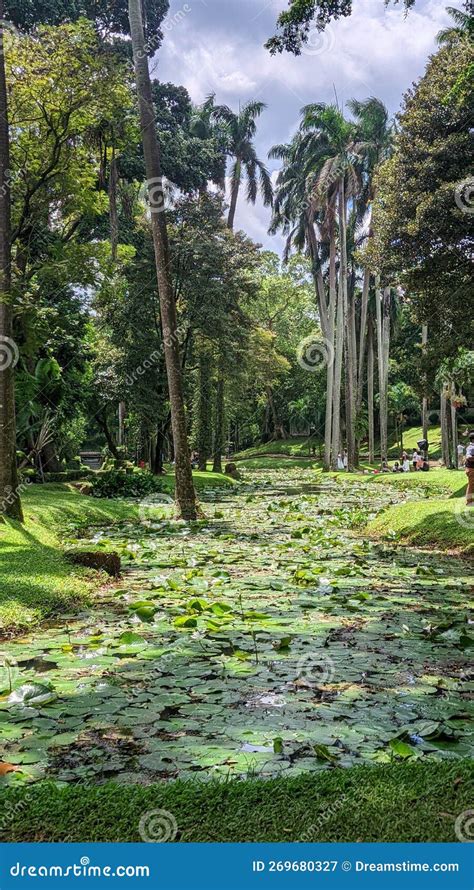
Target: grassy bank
x=36, y=580
x=398, y=802
x=440, y=520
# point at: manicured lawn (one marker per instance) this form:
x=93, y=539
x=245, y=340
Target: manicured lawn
x=402, y=802
x=437, y=522
x=36, y=581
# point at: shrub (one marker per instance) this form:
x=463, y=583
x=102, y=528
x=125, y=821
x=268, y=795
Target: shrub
x=122, y=484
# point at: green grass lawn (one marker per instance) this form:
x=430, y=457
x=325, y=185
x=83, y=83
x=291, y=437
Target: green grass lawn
x=300, y=446
x=398, y=802
x=440, y=520
x=411, y=437
x=37, y=582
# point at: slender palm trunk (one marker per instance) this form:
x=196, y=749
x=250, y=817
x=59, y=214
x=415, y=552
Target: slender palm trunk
x=185, y=494
x=203, y=424
x=384, y=381
x=113, y=212
x=370, y=390
x=219, y=421
x=445, y=433
x=348, y=334
x=10, y=503
x=454, y=433
x=331, y=349
x=336, y=405
x=424, y=408
x=234, y=193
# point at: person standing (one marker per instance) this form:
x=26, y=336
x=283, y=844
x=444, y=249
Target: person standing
x=469, y=468
x=460, y=455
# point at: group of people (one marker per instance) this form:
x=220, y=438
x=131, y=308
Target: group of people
x=417, y=461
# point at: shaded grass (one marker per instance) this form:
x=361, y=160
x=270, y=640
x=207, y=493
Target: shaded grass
x=432, y=523
x=396, y=802
x=36, y=581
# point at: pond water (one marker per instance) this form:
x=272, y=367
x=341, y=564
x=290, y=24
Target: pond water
x=271, y=637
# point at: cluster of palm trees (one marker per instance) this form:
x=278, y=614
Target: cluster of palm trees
x=323, y=204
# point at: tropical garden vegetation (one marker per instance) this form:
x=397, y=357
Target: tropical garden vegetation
x=192, y=587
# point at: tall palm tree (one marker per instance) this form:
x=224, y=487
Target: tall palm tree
x=463, y=26
x=372, y=146
x=337, y=183
x=185, y=493
x=241, y=129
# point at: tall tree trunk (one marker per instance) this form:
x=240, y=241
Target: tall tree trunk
x=348, y=333
x=185, y=494
x=445, y=436
x=382, y=303
x=10, y=503
x=121, y=423
x=331, y=352
x=103, y=423
x=336, y=405
x=424, y=408
x=113, y=213
x=370, y=390
x=219, y=421
x=203, y=409
x=279, y=431
x=234, y=193
x=454, y=432
x=362, y=352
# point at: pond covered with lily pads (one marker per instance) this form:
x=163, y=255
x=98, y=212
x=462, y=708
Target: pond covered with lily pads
x=269, y=638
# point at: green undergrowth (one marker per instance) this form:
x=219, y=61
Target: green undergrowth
x=395, y=803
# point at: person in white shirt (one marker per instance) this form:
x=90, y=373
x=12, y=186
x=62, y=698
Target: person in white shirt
x=469, y=467
x=414, y=459
x=406, y=465
x=460, y=455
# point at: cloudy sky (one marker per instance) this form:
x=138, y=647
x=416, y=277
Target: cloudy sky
x=216, y=46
